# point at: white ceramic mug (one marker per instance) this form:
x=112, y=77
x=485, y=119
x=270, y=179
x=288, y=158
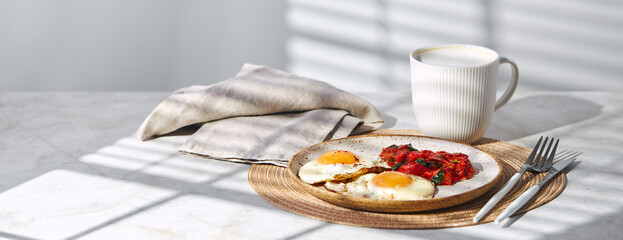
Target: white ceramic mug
x=453, y=90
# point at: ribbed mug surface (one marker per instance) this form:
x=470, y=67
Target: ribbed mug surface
x=454, y=102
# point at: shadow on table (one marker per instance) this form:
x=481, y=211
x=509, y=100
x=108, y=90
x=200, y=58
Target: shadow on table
x=390, y=121
x=156, y=174
x=531, y=115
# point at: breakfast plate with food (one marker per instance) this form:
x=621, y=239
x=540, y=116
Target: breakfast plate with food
x=394, y=173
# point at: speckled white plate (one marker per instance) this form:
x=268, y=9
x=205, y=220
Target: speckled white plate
x=487, y=172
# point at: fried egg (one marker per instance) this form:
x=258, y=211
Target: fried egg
x=400, y=186
x=386, y=185
x=339, y=165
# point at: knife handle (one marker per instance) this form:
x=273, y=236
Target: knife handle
x=498, y=196
x=518, y=203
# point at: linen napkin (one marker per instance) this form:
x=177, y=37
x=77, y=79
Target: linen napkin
x=262, y=115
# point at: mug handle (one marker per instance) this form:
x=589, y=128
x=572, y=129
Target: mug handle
x=511, y=86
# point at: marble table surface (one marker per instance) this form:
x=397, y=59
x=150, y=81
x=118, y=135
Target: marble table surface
x=71, y=168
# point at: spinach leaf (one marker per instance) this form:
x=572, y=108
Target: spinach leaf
x=398, y=164
x=422, y=162
x=437, y=178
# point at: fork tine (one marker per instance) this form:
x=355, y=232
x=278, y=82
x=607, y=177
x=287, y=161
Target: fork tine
x=545, y=156
x=536, y=147
x=550, y=160
x=566, y=154
x=539, y=156
x=574, y=154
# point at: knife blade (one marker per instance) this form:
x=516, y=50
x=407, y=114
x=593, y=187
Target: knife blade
x=528, y=194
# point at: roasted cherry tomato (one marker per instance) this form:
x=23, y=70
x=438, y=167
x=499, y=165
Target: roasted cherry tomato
x=441, y=168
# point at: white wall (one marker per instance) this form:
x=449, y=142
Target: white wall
x=135, y=44
x=357, y=45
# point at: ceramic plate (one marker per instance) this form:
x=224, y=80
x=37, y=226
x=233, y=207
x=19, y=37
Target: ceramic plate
x=487, y=172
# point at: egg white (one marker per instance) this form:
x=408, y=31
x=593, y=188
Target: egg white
x=356, y=188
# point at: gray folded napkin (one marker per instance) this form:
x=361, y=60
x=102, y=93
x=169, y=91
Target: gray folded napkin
x=261, y=115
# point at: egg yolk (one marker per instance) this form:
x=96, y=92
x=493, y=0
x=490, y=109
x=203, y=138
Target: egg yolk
x=391, y=179
x=338, y=156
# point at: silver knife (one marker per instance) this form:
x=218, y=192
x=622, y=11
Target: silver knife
x=528, y=194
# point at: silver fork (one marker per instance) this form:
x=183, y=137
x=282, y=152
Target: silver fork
x=536, y=162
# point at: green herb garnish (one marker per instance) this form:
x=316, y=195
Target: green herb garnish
x=393, y=146
x=422, y=162
x=411, y=147
x=398, y=164
x=437, y=179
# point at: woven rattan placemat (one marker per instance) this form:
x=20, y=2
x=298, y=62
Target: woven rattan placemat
x=275, y=185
